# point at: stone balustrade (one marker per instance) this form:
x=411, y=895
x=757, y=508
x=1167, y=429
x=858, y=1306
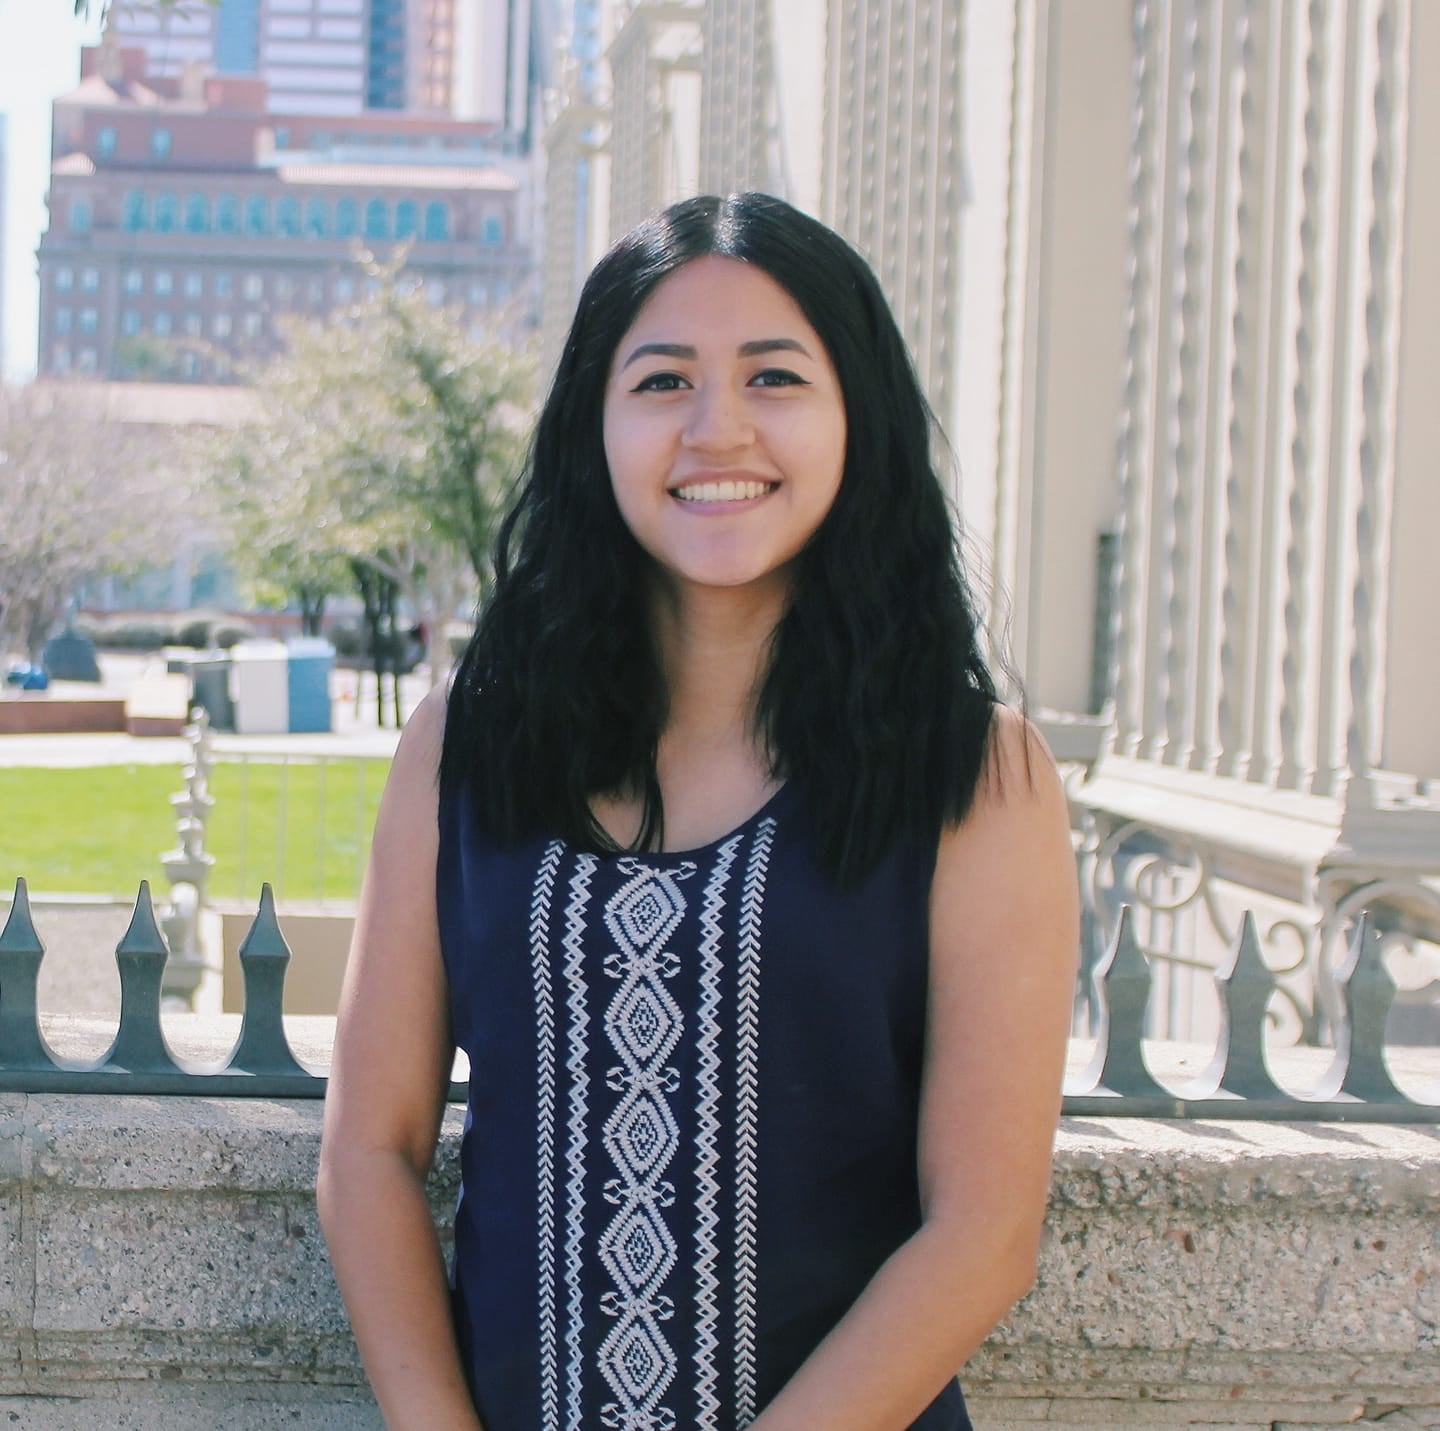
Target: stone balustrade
x=164, y=1267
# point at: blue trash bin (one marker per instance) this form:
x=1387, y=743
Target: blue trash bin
x=310, y=662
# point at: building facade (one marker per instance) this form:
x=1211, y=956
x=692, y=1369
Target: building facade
x=463, y=59
x=186, y=220
x=1170, y=270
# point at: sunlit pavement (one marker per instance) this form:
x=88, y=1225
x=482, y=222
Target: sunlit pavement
x=353, y=718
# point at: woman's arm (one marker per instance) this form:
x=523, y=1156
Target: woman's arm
x=386, y=1095
x=1004, y=942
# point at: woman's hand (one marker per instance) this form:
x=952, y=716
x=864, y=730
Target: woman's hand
x=1004, y=942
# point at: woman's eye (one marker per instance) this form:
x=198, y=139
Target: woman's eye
x=777, y=378
x=660, y=383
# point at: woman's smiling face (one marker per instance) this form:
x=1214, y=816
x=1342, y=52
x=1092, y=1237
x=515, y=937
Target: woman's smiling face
x=724, y=427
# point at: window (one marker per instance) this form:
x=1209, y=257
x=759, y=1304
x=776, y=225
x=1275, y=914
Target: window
x=437, y=222
x=160, y=325
x=105, y=142
x=377, y=220
x=134, y=281
x=282, y=137
x=347, y=219
x=194, y=325
x=60, y=358
x=64, y=280
x=130, y=322
x=164, y=283
x=189, y=365
x=87, y=359
x=197, y=214
x=435, y=292
x=253, y=287
x=251, y=325
x=493, y=231
x=220, y=325
x=89, y=320
x=160, y=143
x=284, y=289
x=62, y=320
x=315, y=292
x=287, y=217
x=79, y=216
x=167, y=213
x=132, y=211
x=257, y=215
x=315, y=219
x=194, y=284
x=344, y=289
x=227, y=214
x=90, y=280
x=224, y=284
x=406, y=219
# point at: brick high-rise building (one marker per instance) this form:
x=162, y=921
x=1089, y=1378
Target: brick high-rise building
x=466, y=59
x=185, y=219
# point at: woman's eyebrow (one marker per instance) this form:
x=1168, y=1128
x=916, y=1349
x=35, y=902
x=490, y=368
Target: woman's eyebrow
x=663, y=350
x=752, y=349
x=772, y=345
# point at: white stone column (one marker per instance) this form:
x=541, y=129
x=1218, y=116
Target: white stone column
x=1302, y=424
x=1150, y=31
x=737, y=100
x=1375, y=453
x=1412, y=676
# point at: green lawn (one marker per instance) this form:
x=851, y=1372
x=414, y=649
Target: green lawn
x=305, y=827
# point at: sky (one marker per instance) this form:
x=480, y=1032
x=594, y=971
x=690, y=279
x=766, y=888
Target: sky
x=40, y=44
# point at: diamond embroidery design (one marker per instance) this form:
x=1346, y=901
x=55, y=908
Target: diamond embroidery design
x=637, y=1248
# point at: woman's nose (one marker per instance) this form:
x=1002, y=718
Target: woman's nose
x=718, y=420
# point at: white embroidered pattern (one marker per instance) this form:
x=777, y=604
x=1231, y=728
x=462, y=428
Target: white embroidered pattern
x=747, y=1097
x=707, y=1134
x=579, y=1030
x=545, y=1129
x=644, y=1024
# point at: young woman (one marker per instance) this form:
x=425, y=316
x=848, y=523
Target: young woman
x=752, y=907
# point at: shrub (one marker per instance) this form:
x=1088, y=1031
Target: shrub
x=347, y=641
x=230, y=633
x=134, y=636
x=195, y=634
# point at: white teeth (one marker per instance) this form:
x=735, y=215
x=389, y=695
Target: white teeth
x=727, y=491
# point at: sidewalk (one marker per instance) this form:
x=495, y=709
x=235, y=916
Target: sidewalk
x=354, y=730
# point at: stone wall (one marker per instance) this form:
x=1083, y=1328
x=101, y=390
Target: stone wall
x=163, y=1267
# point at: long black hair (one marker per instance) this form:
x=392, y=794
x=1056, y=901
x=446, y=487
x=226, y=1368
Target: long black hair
x=877, y=702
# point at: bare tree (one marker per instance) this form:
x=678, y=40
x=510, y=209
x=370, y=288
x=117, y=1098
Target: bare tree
x=80, y=496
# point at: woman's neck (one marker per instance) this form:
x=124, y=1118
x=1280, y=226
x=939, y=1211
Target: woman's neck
x=714, y=648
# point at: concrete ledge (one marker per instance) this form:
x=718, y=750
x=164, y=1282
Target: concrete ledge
x=164, y=1267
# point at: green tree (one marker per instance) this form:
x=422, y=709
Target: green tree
x=385, y=436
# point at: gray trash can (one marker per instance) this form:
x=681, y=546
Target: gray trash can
x=210, y=688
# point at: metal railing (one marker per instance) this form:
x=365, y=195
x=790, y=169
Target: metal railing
x=1118, y=1081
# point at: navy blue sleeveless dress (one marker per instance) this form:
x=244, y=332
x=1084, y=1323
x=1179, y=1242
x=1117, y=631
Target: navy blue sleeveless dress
x=691, y=1134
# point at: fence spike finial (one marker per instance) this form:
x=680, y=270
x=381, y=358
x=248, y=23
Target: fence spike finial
x=139, y=1045
x=1122, y=985
x=1366, y=991
x=264, y=957
x=1244, y=985
x=22, y=1045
